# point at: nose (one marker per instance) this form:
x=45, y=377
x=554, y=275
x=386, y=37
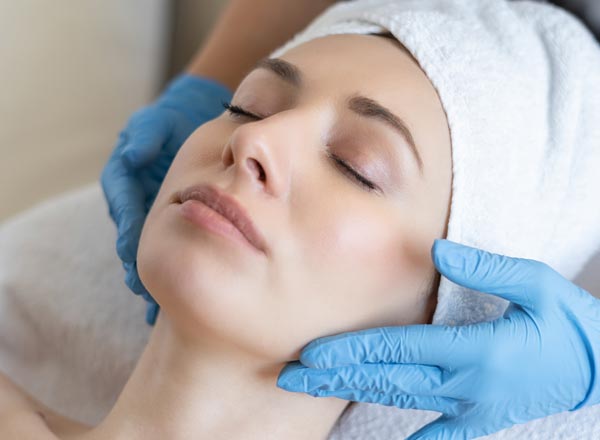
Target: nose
x=260, y=153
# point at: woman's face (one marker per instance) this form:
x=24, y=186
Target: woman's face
x=340, y=255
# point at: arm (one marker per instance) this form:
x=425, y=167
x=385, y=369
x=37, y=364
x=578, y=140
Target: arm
x=20, y=411
x=247, y=31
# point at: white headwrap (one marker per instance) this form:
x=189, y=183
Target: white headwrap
x=520, y=84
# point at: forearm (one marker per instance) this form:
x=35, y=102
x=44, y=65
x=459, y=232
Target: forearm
x=248, y=30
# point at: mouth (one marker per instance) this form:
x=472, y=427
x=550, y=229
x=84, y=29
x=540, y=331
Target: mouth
x=227, y=206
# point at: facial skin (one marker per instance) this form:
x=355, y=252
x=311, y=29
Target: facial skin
x=339, y=258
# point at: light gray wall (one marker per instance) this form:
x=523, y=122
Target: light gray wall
x=72, y=74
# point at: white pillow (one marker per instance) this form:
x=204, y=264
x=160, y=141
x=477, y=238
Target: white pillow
x=71, y=331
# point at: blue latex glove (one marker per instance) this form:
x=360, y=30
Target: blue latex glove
x=143, y=154
x=540, y=358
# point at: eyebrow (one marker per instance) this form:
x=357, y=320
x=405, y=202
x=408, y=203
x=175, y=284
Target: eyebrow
x=359, y=104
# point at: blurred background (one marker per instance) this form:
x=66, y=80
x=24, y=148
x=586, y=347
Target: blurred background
x=74, y=71
x=71, y=75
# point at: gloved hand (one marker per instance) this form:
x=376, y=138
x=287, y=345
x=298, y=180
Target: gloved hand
x=143, y=154
x=540, y=358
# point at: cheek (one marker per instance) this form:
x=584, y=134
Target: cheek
x=373, y=252
x=367, y=271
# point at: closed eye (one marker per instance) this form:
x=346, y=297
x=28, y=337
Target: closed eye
x=235, y=110
x=349, y=171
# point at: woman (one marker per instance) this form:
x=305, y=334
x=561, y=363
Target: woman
x=339, y=252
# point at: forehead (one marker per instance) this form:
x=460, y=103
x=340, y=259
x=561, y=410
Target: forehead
x=375, y=66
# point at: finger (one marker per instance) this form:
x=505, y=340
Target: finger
x=135, y=284
x=152, y=310
x=129, y=232
x=522, y=281
x=125, y=197
x=437, y=345
x=403, y=401
x=389, y=379
x=146, y=136
x=133, y=281
x=289, y=369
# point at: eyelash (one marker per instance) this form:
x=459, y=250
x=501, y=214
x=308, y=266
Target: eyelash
x=237, y=111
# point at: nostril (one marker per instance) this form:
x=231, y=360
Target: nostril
x=255, y=166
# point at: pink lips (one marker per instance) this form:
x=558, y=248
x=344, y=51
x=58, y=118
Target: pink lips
x=228, y=207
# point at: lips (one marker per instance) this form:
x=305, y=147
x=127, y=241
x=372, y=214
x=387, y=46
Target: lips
x=228, y=207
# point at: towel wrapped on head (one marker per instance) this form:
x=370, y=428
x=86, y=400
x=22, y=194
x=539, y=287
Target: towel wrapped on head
x=520, y=84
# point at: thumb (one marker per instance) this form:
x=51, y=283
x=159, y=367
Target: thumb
x=519, y=280
x=146, y=136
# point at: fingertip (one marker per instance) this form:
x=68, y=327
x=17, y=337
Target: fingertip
x=291, y=367
x=312, y=356
x=130, y=157
x=147, y=136
x=320, y=359
x=126, y=248
x=450, y=256
x=134, y=283
x=152, y=310
x=136, y=155
x=440, y=252
x=338, y=350
x=443, y=245
x=307, y=359
x=290, y=377
x=437, y=248
x=306, y=354
x=128, y=239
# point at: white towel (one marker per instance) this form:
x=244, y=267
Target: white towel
x=71, y=331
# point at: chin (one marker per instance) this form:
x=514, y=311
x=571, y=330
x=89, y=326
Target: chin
x=212, y=292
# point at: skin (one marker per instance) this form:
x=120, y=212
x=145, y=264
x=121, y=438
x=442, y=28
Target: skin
x=339, y=258
x=235, y=32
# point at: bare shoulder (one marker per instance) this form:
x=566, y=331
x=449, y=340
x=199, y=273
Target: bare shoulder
x=23, y=417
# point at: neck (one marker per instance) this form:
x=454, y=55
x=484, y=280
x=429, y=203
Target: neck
x=182, y=390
